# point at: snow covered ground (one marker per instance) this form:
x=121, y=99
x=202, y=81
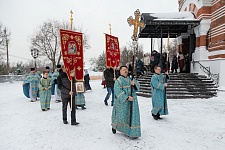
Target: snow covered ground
x=196, y=124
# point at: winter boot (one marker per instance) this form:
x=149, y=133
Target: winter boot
x=74, y=123
x=65, y=121
x=158, y=115
x=113, y=131
x=155, y=117
x=106, y=103
x=83, y=107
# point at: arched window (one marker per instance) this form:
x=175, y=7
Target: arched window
x=208, y=39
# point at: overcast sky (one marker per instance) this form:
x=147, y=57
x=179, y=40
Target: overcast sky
x=22, y=17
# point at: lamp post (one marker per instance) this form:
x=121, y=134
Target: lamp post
x=34, y=54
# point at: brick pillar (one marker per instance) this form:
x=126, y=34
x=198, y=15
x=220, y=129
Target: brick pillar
x=203, y=30
x=201, y=53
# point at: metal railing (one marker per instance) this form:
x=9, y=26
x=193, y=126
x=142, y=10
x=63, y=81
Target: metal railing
x=11, y=78
x=213, y=77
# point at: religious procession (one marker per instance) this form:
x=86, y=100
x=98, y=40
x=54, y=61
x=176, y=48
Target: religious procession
x=69, y=82
x=163, y=89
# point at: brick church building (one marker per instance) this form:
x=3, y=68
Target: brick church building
x=209, y=52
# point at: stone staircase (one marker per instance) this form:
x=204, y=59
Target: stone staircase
x=181, y=86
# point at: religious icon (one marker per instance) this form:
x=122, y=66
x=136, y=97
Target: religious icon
x=72, y=48
x=80, y=87
x=112, y=46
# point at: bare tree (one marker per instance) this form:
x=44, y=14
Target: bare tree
x=4, y=44
x=100, y=62
x=47, y=40
x=173, y=49
x=4, y=36
x=1, y=36
x=1, y=42
x=153, y=43
x=126, y=53
x=138, y=52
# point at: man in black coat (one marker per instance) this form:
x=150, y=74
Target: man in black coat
x=64, y=84
x=110, y=79
x=174, y=64
x=155, y=60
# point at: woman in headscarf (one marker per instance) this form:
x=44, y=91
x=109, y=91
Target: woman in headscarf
x=86, y=80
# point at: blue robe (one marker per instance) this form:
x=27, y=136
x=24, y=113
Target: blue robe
x=45, y=95
x=80, y=99
x=33, y=80
x=159, y=100
x=39, y=74
x=121, y=108
x=56, y=91
x=50, y=74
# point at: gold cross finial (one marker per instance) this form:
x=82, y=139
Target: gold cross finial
x=71, y=20
x=136, y=23
x=110, y=29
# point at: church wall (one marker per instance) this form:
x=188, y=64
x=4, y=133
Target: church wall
x=216, y=35
x=210, y=35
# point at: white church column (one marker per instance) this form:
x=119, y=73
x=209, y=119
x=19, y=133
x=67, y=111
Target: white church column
x=201, y=53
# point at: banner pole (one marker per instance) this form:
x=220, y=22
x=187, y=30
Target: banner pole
x=71, y=96
x=71, y=83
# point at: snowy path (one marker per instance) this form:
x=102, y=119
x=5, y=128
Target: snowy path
x=191, y=125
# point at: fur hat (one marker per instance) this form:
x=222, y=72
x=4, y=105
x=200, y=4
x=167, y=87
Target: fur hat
x=58, y=66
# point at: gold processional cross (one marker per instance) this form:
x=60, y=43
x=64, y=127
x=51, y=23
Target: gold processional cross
x=110, y=29
x=136, y=23
x=71, y=20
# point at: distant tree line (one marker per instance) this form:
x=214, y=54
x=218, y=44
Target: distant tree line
x=46, y=39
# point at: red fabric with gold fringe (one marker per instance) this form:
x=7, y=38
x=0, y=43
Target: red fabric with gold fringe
x=72, y=53
x=112, y=51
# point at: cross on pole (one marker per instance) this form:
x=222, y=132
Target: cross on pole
x=71, y=20
x=110, y=29
x=136, y=23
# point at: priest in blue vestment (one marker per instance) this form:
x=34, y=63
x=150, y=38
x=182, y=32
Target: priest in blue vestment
x=121, y=109
x=159, y=100
x=33, y=81
x=56, y=91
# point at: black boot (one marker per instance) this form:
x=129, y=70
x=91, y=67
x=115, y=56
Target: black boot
x=83, y=107
x=74, y=123
x=106, y=103
x=155, y=117
x=133, y=138
x=113, y=131
x=158, y=115
x=65, y=121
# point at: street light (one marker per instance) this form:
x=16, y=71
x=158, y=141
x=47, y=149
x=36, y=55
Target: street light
x=34, y=54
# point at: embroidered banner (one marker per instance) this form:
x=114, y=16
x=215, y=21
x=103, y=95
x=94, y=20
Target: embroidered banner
x=112, y=51
x=72, y=53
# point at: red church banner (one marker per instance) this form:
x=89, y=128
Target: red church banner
x=72, y=53
x=112, y=51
